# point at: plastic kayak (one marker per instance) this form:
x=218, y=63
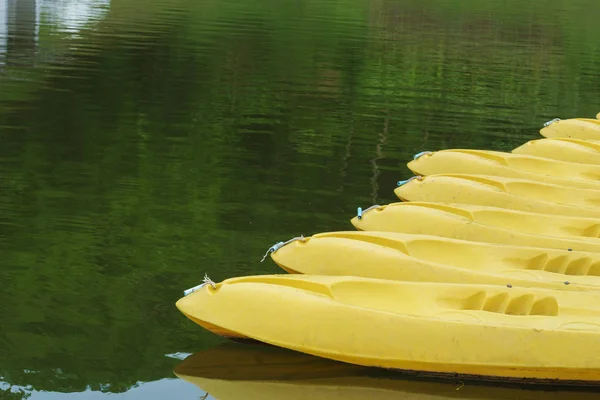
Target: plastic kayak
x=578, y=128
x=516, y=194
x=570, y=150
x=496, y=163
x=466, y=329
x=255, y=372
x=409, y=257
x=453, y=221
x=529, y=222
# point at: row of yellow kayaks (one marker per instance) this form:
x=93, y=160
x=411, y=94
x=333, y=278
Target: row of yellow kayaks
x=488, y=268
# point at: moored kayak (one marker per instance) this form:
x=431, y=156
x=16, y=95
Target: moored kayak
x=496, y=163
x=410, y=257
x=563, y=149
x=578, y=128
x=534, y=223
x=467, y=329
x=454, y=221
x=233, y=371
x=516, y=194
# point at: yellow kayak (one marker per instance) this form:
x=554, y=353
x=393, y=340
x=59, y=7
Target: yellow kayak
x=257, y=372
x=495, y=191
x=563, y=149
x=410, y=257
x=488, y=331
x=535, y=223
x=455, y=222
x=496, y=163
x=578, y=128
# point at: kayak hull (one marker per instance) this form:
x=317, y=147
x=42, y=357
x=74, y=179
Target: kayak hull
x=578, y=128
x=495, y=163
x=515, y=194
x=426, y=258
x=439, y=328
x=587, y=229
x=563, y=149
x=456, y=222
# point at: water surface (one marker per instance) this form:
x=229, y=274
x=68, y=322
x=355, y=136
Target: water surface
x=144, y=143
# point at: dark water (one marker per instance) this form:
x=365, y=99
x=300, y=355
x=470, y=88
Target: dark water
x=144, y=143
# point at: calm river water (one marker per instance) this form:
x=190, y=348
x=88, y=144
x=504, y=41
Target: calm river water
x=144, y=143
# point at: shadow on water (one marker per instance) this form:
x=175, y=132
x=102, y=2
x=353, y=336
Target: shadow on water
x=242, y=371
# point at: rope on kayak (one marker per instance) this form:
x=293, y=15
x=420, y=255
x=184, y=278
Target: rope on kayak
x=400, y=183
x=208, y=281
x=205, y=281
x=360, y=211
x=421, y=154
x=279, y=245
x=551, y=122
